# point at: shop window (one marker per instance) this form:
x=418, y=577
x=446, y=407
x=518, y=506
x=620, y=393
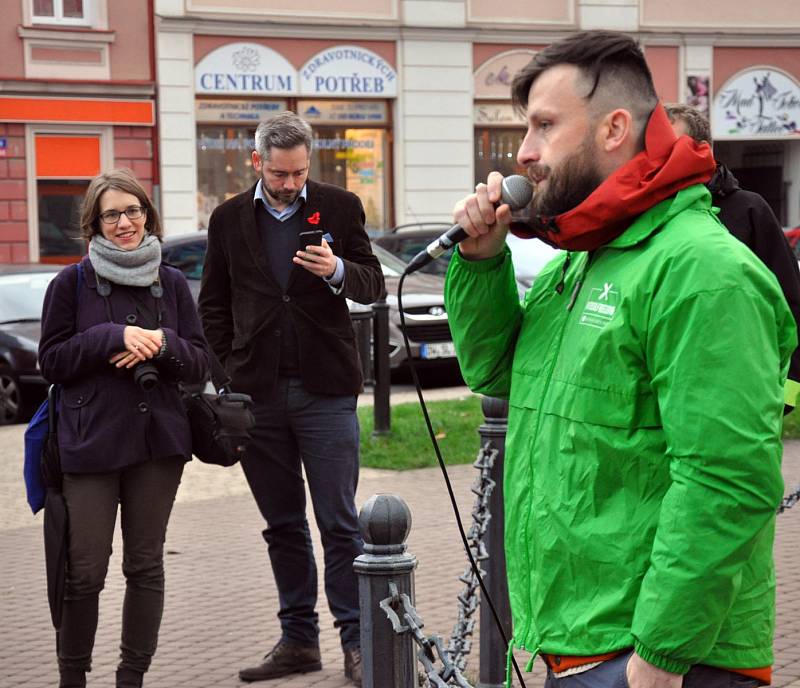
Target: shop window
x=61, y=12
x=496, y=150
x=224, y=166
x=353, y=158
x=65, y=164
x=59, y=204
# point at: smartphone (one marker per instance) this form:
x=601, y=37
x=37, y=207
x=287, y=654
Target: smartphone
x=310, y=238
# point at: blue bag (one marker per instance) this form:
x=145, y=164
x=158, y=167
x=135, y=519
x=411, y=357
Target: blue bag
x=36, y=437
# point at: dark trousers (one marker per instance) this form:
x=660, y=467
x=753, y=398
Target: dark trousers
x=145, y=494
x=611, y=674
x=296, y=430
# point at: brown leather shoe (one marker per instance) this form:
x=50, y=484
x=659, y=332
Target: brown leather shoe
x=284, y=659
x=352, y=665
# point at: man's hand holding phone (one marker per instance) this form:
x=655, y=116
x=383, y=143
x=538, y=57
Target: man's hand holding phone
x=315, y=254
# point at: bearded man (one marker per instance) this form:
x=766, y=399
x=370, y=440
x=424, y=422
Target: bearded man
x=643, y=453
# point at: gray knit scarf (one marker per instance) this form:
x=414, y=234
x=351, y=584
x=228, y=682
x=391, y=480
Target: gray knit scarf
x=135, y=268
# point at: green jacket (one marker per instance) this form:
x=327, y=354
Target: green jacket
x=645, y=387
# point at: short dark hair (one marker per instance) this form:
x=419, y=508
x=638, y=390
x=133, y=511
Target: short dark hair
x=120, y=179
x=285, y=130
x=697, y=124
x=612, y=63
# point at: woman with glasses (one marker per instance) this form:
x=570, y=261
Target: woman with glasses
x=119, y=332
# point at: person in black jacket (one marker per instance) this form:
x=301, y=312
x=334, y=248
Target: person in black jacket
x=751, y=220
x=274, y=312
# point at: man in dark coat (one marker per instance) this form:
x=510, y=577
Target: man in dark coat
x=751, y=220
x=274, y=311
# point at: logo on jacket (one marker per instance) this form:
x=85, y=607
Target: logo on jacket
x=314, y=219
x=600, y=307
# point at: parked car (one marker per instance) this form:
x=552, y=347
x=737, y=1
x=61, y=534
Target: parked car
x=22, y=290
x=406, y=241
x=423, y=300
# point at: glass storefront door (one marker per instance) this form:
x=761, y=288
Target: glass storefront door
x=496, y=150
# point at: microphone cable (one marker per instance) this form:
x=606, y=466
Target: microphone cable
x=473, y=564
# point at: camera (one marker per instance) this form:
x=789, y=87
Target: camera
x=145, y=374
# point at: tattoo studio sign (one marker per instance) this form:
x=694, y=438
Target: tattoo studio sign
x=758, y=103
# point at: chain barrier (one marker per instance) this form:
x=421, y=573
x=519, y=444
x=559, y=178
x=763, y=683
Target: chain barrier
x=468, y=601
x=789, y=501
x=431, y=648
x=404, y=617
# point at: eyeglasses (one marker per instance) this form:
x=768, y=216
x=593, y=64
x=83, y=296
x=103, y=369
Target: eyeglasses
x=132, y=212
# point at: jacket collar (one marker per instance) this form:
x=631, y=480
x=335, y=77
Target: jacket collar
x=250, y=233
x=651, y=220
x=666, y=166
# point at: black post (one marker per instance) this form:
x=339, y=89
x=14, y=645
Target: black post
x=389, y=659
x=381, y=408
x=493, y=657
x=362, y=318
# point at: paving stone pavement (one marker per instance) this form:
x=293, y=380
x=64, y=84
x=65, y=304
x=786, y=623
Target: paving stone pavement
x=221, y=601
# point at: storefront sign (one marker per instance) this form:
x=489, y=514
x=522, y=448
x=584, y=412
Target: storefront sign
x=493, y=77
x=343, y=112
x=347, y=71
x=758, y=103
x=497, y=114
x=245, y=68
x=237, y=111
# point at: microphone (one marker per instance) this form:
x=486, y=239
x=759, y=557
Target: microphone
x=516, y=191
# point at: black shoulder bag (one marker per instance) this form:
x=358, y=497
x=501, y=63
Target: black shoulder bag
x=221, y=421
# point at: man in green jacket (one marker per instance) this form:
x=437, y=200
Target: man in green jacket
x=644, y=372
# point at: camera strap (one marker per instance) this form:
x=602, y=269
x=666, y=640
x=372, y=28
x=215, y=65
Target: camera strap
x=104, y=289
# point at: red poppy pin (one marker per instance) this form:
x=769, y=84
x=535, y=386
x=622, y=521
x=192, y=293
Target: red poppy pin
x=314, y=219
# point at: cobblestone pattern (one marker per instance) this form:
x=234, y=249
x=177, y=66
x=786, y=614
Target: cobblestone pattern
x=221, y=600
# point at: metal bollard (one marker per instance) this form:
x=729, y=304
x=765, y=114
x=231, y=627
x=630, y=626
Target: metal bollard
x=382, y=407
x=362, y=319
x=388, y=659
x=493, y=658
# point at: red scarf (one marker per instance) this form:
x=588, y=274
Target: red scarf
x=667, y=165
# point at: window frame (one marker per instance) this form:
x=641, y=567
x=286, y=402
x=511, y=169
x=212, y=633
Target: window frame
x=106, y=136
x=58, y=15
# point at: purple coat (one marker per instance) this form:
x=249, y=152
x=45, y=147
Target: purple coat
x=106, y=421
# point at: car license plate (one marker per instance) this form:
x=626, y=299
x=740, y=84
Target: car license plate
x=438, y=350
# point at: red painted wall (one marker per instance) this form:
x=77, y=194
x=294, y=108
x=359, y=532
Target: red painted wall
x=13, y=197
x=729, y=61
x=663, y=63
x=133, y=148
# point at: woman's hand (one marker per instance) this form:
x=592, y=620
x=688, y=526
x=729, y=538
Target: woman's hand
x=140, y=344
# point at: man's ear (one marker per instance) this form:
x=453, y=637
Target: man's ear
x=256, y=158
x=615, y=130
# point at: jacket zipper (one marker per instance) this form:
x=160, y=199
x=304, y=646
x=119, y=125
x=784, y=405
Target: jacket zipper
x=573, y=297
x=559, y=290
x=579, y=282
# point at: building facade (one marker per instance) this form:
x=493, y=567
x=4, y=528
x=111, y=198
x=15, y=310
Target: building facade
x=77, y=96
x=409, y=98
